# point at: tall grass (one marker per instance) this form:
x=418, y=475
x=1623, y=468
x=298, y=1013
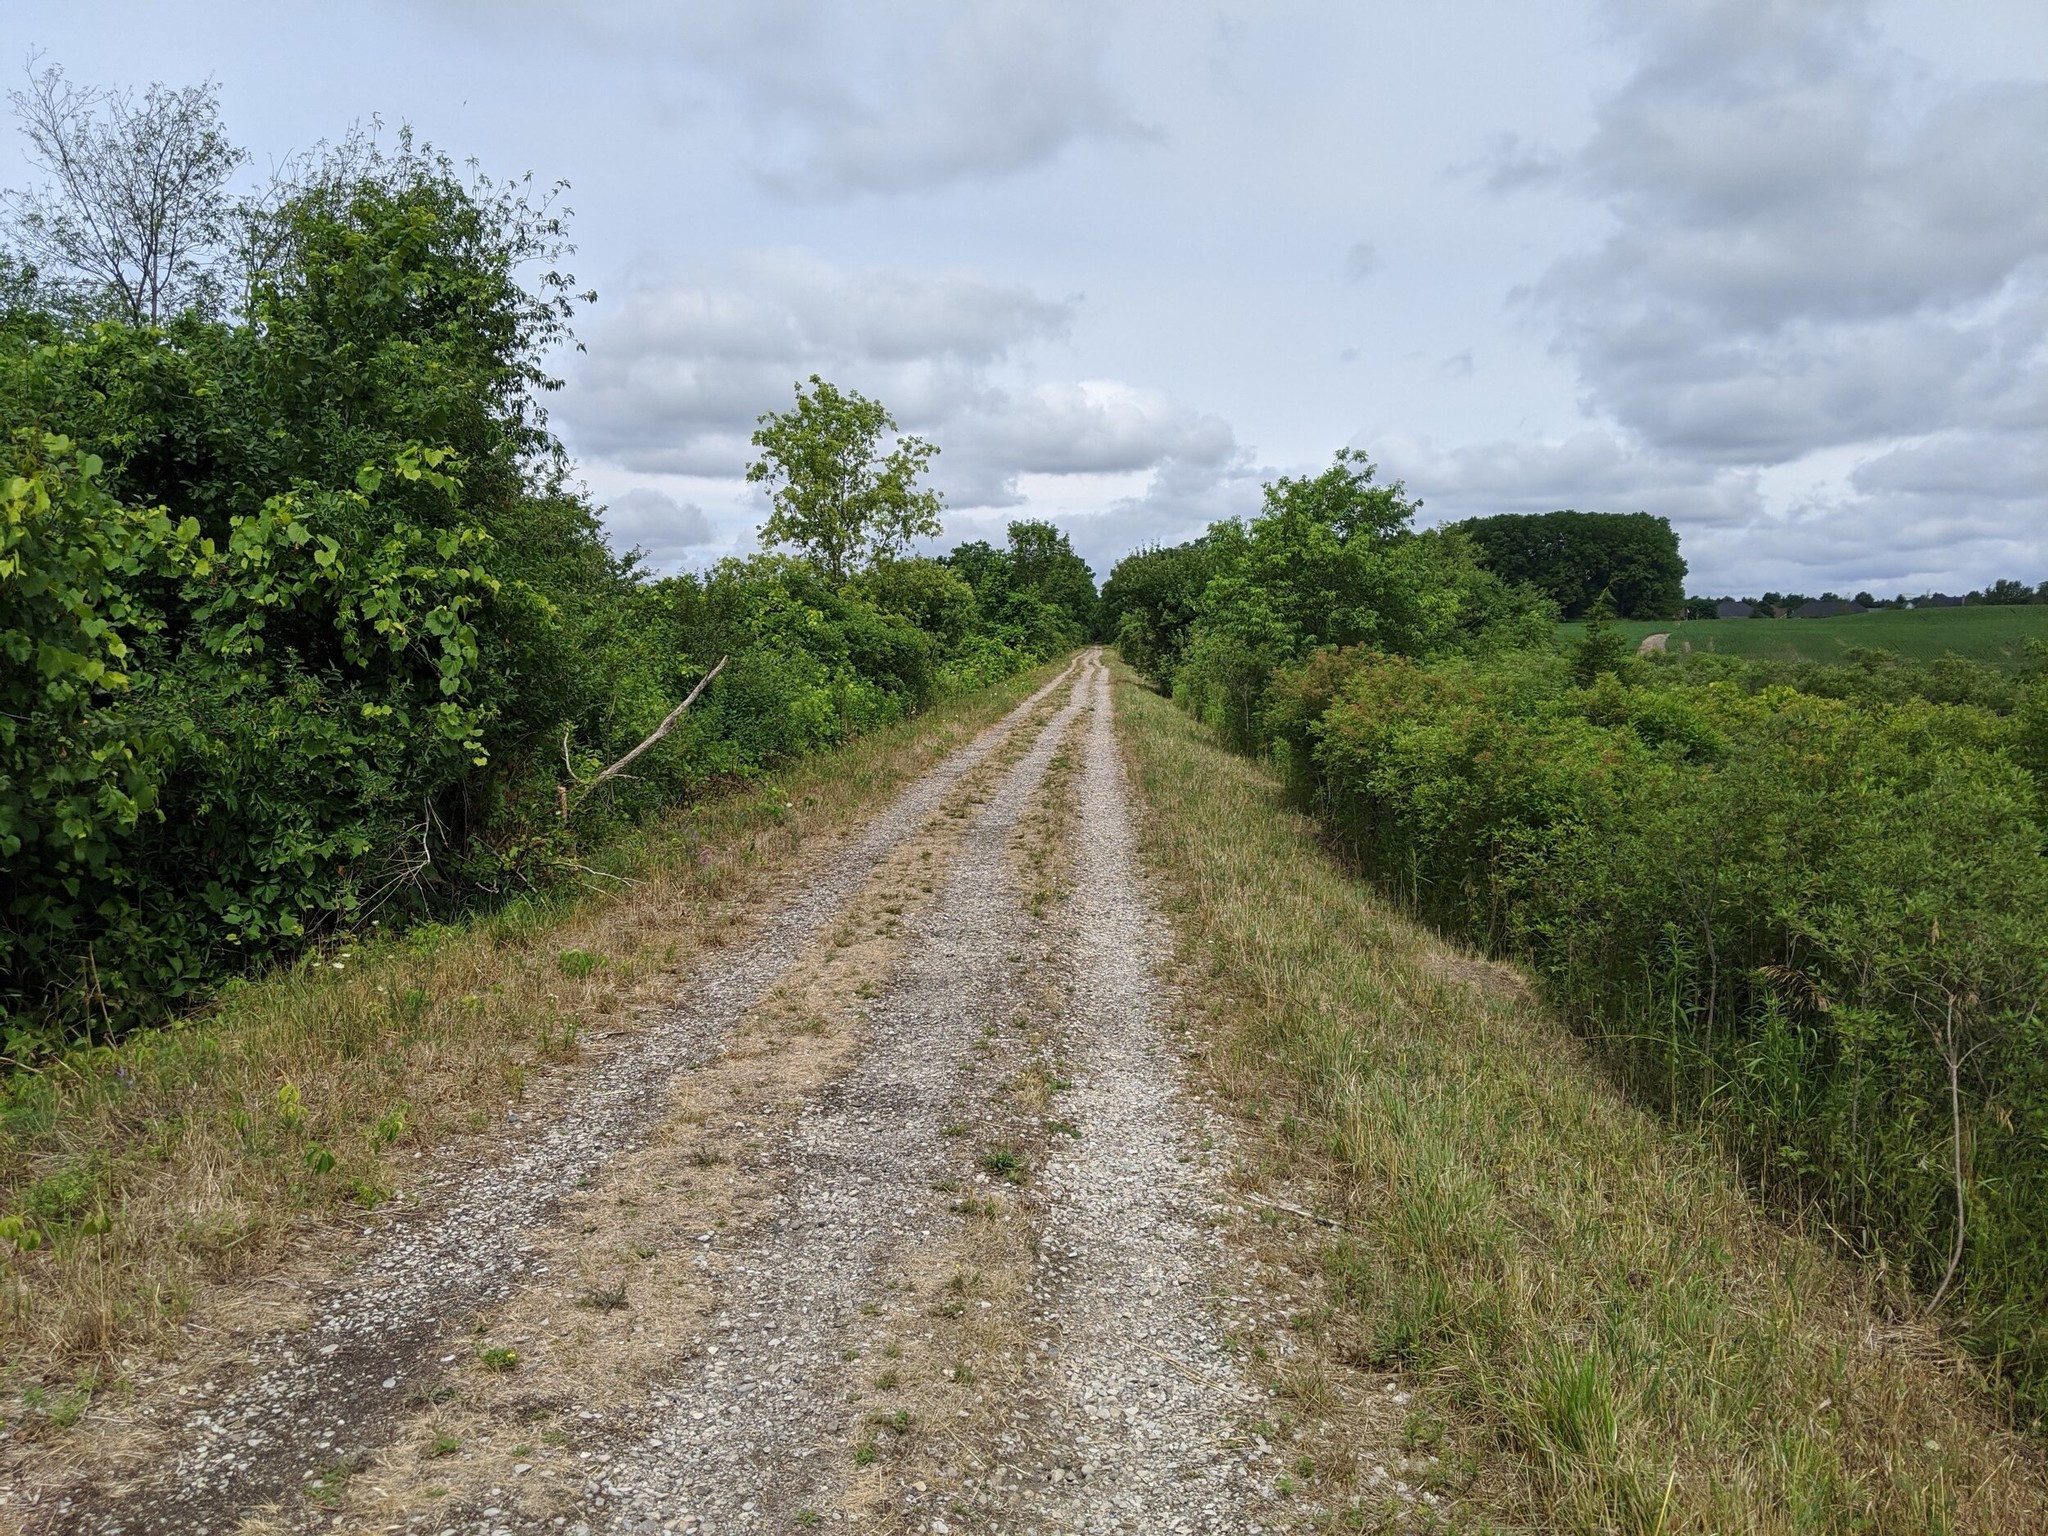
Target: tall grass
x=1597, y=1292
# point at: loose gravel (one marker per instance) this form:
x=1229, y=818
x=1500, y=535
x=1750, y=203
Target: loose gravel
x=765, y=1430
x=1153, y=1404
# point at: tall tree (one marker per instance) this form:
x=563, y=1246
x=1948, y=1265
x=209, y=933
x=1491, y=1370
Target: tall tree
x=133, y=217
x=837, y=496
x=1045, y=562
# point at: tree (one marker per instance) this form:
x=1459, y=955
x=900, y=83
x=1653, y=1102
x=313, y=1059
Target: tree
x=1045, y=562
x=136, y=211
x=837, y=498
x=1572, y=557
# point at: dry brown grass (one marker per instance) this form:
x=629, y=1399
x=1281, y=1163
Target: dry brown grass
x=1592, y=1299
x=214, y=1150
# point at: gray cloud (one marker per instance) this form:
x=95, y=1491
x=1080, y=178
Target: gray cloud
x=1362, y=260
x=902, y=96
x=677, y=376
x=999, y=87
x=656, y=523
x=1819, y=254
x=1812, y=246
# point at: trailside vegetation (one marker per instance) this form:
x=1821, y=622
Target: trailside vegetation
x=1601, y=1330
x=1809, y=919
x=306, y=625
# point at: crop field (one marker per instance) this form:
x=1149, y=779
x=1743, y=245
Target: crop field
x=1992, y=635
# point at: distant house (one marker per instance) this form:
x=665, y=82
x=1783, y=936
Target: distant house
x=1826, y=608
x=1734, y=608
x=1937, y=600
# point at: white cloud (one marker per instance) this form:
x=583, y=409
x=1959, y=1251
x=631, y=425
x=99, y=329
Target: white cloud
x=1594, y=470
x=679, y=372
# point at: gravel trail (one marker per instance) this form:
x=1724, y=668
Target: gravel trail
x=1102, y=1396
x=307, y=1398
x=1151, y=1401
x=765, y=1431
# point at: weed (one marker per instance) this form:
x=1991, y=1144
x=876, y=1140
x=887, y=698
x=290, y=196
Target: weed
x=955, y=1129
x=1421, y=1433
x=327, y=1486
x=499, y=1359
x=1005, y=1163
x=604, y=1298
x=887, y=1381
x=444, y=1445
x=576, y=964
x=866, y=1454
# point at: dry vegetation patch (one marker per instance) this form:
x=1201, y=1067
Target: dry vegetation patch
x=1592, y=1303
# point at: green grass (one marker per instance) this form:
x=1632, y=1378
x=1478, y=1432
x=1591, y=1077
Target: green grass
x=1994, y=636
x=1543, y=1262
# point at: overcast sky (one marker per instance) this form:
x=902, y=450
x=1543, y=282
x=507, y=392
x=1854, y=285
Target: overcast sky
x=1777, y=269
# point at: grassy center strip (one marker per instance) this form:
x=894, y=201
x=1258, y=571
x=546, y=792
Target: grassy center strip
x=1596, y=1298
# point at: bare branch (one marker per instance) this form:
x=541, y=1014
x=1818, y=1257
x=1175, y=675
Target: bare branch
x=667, y=723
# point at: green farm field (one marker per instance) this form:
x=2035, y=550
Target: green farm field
x=1996, y=636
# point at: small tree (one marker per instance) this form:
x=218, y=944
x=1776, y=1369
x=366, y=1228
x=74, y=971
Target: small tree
x=136, y=208
x=837, y=497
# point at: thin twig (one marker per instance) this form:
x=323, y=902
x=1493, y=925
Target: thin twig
x=1185, y=1369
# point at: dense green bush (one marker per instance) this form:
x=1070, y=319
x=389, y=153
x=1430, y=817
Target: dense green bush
x=304, y=625
x=1817, y=925
x=1331, y=560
